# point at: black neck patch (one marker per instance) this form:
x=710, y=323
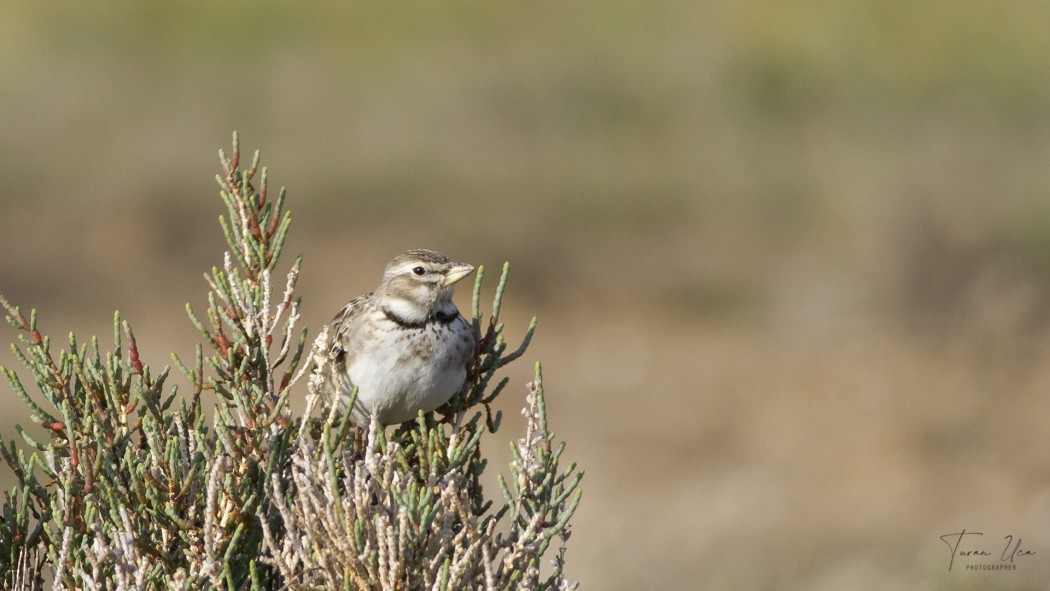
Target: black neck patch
x=439, y=317
x=446, y=317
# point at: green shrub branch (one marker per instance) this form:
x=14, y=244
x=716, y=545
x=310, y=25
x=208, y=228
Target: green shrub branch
x=128, y=483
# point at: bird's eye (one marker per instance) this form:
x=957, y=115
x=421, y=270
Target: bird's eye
x=419, y=270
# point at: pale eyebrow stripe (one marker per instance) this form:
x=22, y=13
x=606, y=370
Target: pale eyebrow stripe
x=407, y=267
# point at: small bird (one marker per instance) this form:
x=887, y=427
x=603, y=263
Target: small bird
x=405, y=346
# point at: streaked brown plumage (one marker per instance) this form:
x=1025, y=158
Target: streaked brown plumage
x=405, y=346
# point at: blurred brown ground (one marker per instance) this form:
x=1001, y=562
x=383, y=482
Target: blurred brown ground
x=790, y=260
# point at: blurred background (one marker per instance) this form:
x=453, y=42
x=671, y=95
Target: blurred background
x=791, y=261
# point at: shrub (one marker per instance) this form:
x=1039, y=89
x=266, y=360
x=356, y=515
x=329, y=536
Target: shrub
x=136, y=487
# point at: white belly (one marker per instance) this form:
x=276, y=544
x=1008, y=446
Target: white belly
x=406, y=371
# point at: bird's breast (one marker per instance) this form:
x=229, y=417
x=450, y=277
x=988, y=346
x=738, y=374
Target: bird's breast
x=402, y=370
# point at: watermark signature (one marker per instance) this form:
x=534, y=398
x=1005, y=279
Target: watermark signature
x=980, y=554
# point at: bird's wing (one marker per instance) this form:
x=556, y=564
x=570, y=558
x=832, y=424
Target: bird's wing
x=339, y=331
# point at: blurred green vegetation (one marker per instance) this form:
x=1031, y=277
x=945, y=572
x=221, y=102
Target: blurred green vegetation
x=780, y=214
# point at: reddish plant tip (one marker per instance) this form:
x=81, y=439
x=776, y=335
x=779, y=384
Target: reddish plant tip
x=55, y=426
x=269, y=340
x=224, y=345
x=133, y=351
x=37, y=339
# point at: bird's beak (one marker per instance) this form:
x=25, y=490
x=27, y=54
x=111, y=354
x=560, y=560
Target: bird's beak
x=457, y=271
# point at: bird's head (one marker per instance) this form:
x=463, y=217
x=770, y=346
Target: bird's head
x=418, y=283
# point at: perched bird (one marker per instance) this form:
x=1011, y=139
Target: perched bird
x=405, y=346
